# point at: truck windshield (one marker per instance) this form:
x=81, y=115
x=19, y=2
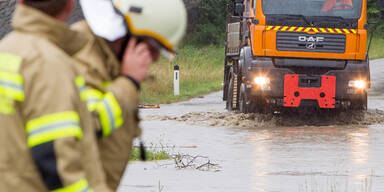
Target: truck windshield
x=344, y=9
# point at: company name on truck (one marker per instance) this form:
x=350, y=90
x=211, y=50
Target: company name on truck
x=311, y=39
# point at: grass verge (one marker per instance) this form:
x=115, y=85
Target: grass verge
x=151, y=155
x=201, y=72
x=377, y=48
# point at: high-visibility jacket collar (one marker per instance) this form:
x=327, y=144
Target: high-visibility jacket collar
x=30, y=20
x=112, y=63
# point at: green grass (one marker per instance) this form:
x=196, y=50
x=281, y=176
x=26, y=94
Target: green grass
x=377, y=48
x=201, y=72
x=151, y=155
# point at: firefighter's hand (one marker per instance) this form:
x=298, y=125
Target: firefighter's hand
x=136, y=60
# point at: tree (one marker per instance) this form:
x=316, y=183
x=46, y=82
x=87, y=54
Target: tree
x=373, y=15
x=209, y=26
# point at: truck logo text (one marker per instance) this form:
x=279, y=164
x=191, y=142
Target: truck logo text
x=310, y=39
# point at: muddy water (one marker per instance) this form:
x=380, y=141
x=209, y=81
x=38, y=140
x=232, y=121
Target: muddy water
x=286, y=119
x=313, y=152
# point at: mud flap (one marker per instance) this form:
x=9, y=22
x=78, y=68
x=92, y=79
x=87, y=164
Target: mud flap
x=324, y=95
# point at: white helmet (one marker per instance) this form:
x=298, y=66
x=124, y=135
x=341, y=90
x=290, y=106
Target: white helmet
x=163, y=20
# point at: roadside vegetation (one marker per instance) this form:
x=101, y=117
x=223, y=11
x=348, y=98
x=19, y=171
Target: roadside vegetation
x=201, y=58
x=377, y=48
x=150, y=154
x=201, y=72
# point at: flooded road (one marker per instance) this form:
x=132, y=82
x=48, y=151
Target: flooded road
x=262, y=152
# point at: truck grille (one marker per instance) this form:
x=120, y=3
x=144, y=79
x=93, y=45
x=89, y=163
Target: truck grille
x=320, y=42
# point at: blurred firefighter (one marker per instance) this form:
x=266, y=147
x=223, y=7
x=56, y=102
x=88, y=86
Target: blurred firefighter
x=333, y=5
x=125, y=37
x=47, y=139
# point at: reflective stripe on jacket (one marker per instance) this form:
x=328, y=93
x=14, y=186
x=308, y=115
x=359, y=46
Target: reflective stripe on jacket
x=112, y=99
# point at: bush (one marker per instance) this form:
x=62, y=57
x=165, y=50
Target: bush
x=210, y=27
x=373, y=16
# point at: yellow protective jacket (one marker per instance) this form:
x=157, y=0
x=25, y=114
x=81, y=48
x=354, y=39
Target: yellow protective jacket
x=112, y=99
x=47, y=142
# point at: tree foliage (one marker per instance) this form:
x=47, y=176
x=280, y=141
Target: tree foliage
x=210, y=24
x=373, y=16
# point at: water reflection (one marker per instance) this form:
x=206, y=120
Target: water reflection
x=359, y=146
x=312, y=158
x=262, y=162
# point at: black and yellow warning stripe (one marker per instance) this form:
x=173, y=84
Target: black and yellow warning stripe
x=312, y=29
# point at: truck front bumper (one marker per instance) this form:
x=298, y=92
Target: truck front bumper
x=288, y=87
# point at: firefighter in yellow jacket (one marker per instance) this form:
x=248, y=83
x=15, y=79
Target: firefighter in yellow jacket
x=47, y=140
x=125, y=36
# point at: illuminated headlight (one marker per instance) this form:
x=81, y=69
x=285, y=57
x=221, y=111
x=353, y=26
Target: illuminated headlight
x=358, y=84
x=261, y=81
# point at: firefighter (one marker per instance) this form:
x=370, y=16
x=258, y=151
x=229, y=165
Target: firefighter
x=47, y=140
x=333, y=5
x=123, y=41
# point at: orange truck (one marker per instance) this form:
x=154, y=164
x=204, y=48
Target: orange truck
x=296, y=53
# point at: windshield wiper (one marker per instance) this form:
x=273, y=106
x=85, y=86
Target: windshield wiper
x=287, y=16
x=329, y=19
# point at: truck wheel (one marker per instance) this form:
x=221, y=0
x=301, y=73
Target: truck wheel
x=243, y=99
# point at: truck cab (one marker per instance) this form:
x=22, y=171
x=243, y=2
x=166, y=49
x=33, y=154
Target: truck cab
x=296, y=53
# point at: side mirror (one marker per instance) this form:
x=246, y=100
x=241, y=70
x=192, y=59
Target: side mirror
x=239, y=9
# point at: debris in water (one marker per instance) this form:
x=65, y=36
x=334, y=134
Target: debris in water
x=149, y=106
x=196, y=162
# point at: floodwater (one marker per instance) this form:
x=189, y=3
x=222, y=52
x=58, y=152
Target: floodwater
x=263, y=152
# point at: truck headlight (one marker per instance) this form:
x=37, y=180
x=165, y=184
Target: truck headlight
x=261, y=81
x=358, y=84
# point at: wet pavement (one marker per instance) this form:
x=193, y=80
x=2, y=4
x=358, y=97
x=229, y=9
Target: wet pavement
x=262, y=153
